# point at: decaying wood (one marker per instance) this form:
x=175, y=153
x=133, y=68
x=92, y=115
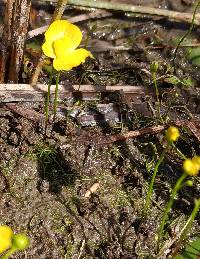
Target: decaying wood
x=14, y=36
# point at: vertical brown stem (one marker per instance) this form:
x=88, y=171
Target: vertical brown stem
x=60, y=8
x=19, y=27
x=16, y=21
x=6, y=39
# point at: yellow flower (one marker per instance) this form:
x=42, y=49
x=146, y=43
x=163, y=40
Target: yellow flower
x=191, y=167
x=61, y=40
x=172, y=134
x=6, y=234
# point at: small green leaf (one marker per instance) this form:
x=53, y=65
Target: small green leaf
x=194, y=56
x=192, y=251
x=154, y=67
x=187, y=82
x=172, y=80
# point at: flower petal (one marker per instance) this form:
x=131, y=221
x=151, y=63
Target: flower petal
x=62, y=28
x=5, y=231
x=48, y=49
x=71, y=59
x=6, y=234
x=56, y=30
x=62, y=47
x=5, y=244
x=74, y=33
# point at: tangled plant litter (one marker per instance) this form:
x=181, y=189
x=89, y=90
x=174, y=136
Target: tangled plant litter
x=10, y=242
x=61, y=41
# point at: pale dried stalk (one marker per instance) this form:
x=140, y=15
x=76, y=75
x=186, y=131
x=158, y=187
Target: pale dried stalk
x=171, y=15
x=75, y=19
x=92, y=190
x=37, y=93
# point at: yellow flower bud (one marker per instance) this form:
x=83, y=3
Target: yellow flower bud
x=190, y=167
x=6, y=234
x=189, y=183
x=196, y=159
x=172, y=134
x=20, y=241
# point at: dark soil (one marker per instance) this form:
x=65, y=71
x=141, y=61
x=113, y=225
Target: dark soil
x=43, y=180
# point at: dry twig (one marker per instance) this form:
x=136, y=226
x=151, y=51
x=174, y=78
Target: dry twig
x=192, y=126
x=171, y=15
x=27, y=92
x=75, y=19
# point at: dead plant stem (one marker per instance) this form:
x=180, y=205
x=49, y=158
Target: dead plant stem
x=171, y=15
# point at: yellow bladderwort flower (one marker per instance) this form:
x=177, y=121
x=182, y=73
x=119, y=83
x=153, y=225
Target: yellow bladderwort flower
x=6, y=234
x=61, y=40
x=172, y=134
x=191, y=166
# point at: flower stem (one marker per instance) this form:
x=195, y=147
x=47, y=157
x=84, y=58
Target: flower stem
x=178, y=152
x=48, y=101
x=56, y=95
x=60, y=8
x=187, y=226
x=150, y=190
x=176, y=188
x=9, y=253
x=157, y=95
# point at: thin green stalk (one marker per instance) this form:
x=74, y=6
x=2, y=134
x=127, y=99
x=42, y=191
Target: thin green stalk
x=176, y=188
x=178, y=152
x=157, y=94
x=56, y=95
x=9, y=253
x=156, y=86
x=48, y=100
x=150, y=190
x=187, y=33
x=187, y=226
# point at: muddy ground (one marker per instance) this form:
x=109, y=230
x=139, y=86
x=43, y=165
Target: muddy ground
x=43, y=180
